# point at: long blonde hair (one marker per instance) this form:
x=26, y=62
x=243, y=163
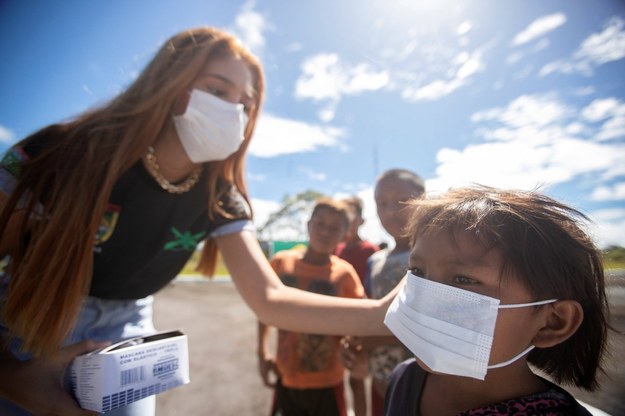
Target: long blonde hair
x=73, y=176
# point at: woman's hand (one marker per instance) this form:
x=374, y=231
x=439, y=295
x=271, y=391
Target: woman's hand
x=268, y=370
x=37, y=384
x=390, y=296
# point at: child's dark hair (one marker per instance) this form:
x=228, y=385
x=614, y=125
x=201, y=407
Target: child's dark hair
x=335, y=206
x=542, y=244
x=404, y=175
x=354, y=203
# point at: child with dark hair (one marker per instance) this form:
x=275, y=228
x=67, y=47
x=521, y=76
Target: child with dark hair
x=354, y=249
x=356, y=252
x=497, y=280
x=309, y=372
x=385, y=269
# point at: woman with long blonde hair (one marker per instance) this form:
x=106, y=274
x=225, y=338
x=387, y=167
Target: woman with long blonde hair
x=99, y=213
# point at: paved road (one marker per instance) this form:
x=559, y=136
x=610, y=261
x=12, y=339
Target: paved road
x=611, y=397
x=222, y=351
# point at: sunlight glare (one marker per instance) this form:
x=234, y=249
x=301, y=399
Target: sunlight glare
x=431, y=8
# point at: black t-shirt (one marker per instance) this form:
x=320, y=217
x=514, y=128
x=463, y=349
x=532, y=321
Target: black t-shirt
x=147, y=234
x=406, y=383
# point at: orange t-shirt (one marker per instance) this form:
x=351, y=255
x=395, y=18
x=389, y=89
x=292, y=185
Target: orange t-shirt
x=311, y=360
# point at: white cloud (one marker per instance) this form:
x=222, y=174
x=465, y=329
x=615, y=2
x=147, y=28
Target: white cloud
x=464, y=28
x=250, y=27
x=565, y=67
x=313, y=174
x=523, y=73
x=601, y=109
x=606, y=46
x=539, y=27
x=526, y=110
x=256, y=177
x=294, y=47
x=515, y=164
x=327, y=113
x=597, y=49
x=609, y=214
x=516, y=56
x=324, y=77
x=583, y=91
x=432, y=91
x=610, y=109
x=534, y=141
x=418, y=69
x=262, y=209
x=608, y=226
x=471, y=65
x=6, y=135
x=87, y=90
x=277, y=136
x=467, y=65
x=615, y=192
x=613, y=128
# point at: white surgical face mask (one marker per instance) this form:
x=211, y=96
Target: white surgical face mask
x=448, y=329
x=210, y=128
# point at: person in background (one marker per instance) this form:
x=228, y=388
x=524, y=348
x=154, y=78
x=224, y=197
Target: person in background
x=394, y=188
x=100, y=212
x=498, y=280
x=356, y=251
x=309, y=372
x=353, y=248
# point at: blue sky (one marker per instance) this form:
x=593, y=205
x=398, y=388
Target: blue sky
x=514, y=93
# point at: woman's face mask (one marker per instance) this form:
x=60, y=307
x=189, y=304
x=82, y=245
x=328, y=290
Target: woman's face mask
x=448, y=329
x=210, y=128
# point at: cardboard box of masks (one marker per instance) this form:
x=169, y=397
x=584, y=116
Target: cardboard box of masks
x=130, y=370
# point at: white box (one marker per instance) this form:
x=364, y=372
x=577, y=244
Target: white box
x=130, y=370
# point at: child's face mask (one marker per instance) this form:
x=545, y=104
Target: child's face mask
x=210, y=128
x=449, y=329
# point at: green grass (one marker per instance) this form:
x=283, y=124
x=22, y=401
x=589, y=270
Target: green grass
x=189, y=268
x=614, y=264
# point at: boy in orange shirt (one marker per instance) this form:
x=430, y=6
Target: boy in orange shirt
x=308, y=369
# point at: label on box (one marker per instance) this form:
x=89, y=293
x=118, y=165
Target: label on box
x=130, y=370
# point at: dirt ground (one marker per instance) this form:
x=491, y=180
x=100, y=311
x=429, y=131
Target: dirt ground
x=222, y=348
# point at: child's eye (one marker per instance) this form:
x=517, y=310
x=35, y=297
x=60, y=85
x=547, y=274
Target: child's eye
x=416, y=271
x=464, y=280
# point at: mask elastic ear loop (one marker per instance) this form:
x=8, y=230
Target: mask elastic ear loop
x=531, y=347
x=513, y=359
x=522, y=305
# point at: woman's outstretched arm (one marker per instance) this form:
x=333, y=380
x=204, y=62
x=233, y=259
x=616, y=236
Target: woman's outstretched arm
x=292, y=309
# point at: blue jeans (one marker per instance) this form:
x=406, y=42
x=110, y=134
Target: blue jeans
x=101, y=320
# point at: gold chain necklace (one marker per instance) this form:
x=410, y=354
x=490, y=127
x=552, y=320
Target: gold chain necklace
x=185, y=186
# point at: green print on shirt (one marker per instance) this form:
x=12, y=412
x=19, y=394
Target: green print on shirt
x=184, y=241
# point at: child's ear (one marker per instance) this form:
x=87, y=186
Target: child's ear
x=562, y=319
